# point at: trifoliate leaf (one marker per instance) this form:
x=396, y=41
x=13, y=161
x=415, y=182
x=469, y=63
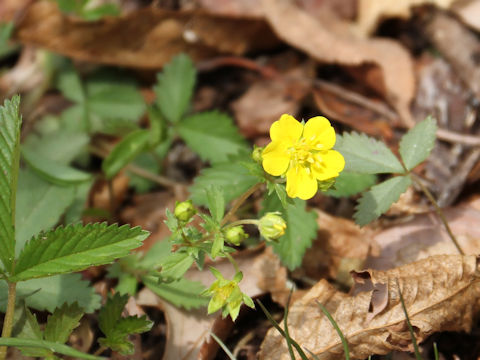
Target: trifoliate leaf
x=40, y=205
x=351, y=183
x=379, y=198
x=216, y=202
x=418, y=142
x=184, y=293
x=62, y=322
x=10, y=122
x=52, y=292
x=212, y=135
x=300, y=232
x=125, y=151
x=233, y=178
x=54, y=172
x=175, y=87
x=74, y=248
x=364, y=154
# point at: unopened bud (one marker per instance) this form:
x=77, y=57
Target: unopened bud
x=184, y=210
x=272, y=226
x=235, y=235
x=257, y=154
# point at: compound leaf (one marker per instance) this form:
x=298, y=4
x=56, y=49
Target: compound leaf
x=418, y=142
x=62, y=322
x=351, y=183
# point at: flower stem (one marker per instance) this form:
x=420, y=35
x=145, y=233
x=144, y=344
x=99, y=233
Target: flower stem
x=439, y=212
x=239, y=203
x=233, y=262
x=8, y=320
x=242, y=222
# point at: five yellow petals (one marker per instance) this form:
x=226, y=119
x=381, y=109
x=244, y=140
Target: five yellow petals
x=303, y=153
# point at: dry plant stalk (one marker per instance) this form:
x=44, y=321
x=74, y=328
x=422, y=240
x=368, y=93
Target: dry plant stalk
x=441, y=293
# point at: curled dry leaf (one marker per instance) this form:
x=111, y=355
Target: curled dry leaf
x=145, y=38
x=441, y=293
x=331, y=40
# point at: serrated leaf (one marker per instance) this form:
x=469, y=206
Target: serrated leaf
x=300, y=232
x=218, y=245
x=212, y=135
x=10, y=122
x=175, y=87
x=364, y=154
x=216, y=202
x=418, y=142
x=125, y=151
x=62, y=322
x=58, y=348
x=69, y=83
x=111, y=312
x=175, y=265
x=351, y=183
x=74, y=248
x=184, y=293
x=26, y=326
x=230, y=176
x=379, y=198
x=53, y=172
x=133, y=325
x=52, y=292
x=40, y=205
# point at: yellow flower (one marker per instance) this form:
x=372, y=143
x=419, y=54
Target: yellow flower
x=303, y=153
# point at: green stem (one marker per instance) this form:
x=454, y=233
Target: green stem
x=239, y=203
x=439, y=212
x=234, y=263
x=242, y=222
x=8, y=320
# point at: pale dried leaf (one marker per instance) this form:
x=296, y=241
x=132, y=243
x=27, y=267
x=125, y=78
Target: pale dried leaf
x=469, y=12
x=332, y=40
x=441, y=293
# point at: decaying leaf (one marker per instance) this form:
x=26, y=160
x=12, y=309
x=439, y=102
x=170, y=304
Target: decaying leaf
x=145, y=38
x=331, y=40
x=441, y=293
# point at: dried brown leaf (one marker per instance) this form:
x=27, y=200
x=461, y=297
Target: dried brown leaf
x=440, y=293
x=331, y=40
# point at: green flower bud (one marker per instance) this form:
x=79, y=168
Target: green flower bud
x=272, y=226
x=184, y=210
x=235, y=235
x=257, y=154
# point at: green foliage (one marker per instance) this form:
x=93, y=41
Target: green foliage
x=175, y=87
x=74, y=248
x=379, y=198
x=216, y=202
x=175, y=265
x=351, y=183
x=82, y=9
x=212, y=135
x=418, y=142
x=6, y=30
x=364, y=154
x=10, y=122
x=116, y=328
x=62, y=322
x=299, y=234
x=124, y=152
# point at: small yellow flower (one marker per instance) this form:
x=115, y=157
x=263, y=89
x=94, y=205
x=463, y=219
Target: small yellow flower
x=304, y=153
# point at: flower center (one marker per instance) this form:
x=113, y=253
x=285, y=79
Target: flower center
x=305, y=152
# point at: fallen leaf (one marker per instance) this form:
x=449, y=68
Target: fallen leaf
x=441, y=294
x=425, y=236
x=145, y=38
x=469, y=12
x=331, y=40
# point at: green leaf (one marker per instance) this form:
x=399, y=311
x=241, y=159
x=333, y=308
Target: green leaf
x=230, y=176
x=74, y=248
x=6, y=30
x=52, y=346
x=62, y=322
x=301, y=230
x=379, y=198
x=68, y=81
x=40, y=205
x=216, y=202
x=418, y=142
x=184, y=293
x=175, y=265
x=25, y=326
x=52, y=292
x=54, y=172
x=111, y=313
x=218, y=245
x=125, y=151
x=10, y=122
x=100, y=11
x=364, y=154
x=175, y=87
x=351, y=183
x=212, y=135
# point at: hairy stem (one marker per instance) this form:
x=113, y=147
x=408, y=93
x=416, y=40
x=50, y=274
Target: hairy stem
x=239, y=203
x=8, y=320
x=439, y=211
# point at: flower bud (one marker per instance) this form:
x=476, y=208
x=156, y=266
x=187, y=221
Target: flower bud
x=235, y=235
x=272, y=226
x=184, y=210
x=257, y=154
